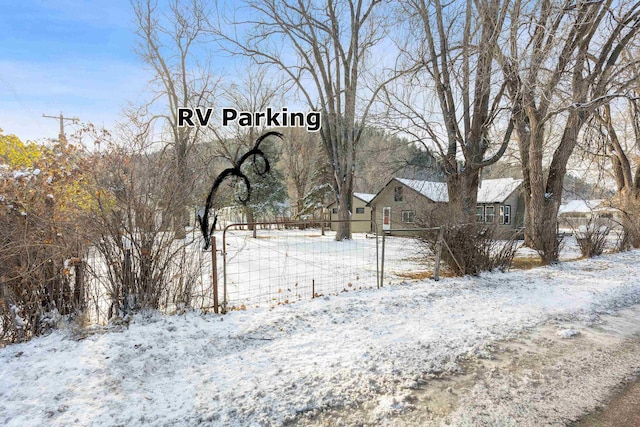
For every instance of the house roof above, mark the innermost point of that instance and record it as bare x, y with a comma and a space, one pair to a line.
497, 190
435, 191
585, 206
490, 190
365, 197
576, 206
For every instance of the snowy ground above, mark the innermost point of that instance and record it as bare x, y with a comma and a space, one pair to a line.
280, 266
296, 363
288, 265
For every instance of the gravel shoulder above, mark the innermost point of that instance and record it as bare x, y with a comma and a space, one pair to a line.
563, 372
622, 410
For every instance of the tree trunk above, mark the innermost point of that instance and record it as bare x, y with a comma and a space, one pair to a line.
344, 209
248, 211
463, 196
543, 229
179, 222
630, 220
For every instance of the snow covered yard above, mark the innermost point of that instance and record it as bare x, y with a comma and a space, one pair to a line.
279, 266
291, 363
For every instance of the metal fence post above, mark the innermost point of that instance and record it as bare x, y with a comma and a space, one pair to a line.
374, 227
382, 261
224, 269
436, 268
214, 273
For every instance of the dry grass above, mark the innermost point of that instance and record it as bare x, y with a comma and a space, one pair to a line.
416, 275
529, 262
422, 275
526, 262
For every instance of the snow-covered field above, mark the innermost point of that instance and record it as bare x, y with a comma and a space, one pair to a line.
281, 266
289, 265
291, 363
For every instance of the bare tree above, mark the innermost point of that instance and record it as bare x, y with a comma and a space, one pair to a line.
167, 42
322, 47
254, 91
300, 158
383, 155
622, 138
452, 49
562, 63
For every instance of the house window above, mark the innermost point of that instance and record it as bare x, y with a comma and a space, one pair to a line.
409, 217
479, 213
505, 214
359, 210
397, 194
334, 210
489, 213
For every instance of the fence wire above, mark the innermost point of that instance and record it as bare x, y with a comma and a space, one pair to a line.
293, 263
284, 263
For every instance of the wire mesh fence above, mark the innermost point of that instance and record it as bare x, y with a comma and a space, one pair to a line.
295, 262
269, 264
262, 264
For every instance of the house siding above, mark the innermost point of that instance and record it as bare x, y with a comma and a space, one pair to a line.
412, 200
356, 227
516, 201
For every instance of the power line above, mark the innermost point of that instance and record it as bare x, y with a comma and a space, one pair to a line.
17, 97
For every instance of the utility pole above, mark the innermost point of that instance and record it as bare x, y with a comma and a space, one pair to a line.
61, 135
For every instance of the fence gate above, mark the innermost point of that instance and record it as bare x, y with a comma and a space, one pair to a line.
271, 263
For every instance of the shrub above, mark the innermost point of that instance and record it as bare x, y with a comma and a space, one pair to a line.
467, 248
141, 263
592, 238
472, 248
41, 205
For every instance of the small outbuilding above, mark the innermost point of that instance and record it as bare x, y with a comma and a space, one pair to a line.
579, 213
360, 211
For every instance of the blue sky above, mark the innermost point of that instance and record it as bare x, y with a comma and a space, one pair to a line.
72, 56
76, 57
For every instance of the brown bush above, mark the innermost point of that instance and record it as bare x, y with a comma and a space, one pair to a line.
591, 238
142, 262
40, 247
467, 248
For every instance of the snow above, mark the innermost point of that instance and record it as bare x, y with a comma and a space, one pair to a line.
435, 191
489, 191
586, 207
579, 206
269, 366
568, 333
365, 197
497, 190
